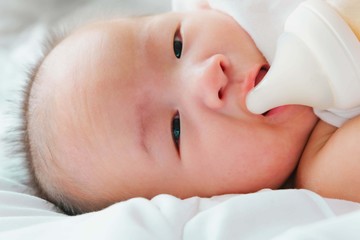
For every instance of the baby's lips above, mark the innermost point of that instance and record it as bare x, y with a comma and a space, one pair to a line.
261, 74
256, 76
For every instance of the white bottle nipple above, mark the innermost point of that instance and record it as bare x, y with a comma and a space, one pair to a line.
317, 63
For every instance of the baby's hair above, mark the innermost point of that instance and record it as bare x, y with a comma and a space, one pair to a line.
39, 179
50, 42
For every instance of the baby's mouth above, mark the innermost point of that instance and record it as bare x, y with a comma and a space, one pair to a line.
260, 76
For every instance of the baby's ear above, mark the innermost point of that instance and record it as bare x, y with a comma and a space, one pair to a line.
188, 5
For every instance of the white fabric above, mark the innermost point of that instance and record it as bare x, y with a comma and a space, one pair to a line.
188, 5
280, 214
337, 117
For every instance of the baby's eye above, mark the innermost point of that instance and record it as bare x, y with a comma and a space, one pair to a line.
177, 44
175, 129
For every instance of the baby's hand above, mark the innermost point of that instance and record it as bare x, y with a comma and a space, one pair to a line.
188, 5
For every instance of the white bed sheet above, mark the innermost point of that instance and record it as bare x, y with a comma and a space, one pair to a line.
280, 214
268, 214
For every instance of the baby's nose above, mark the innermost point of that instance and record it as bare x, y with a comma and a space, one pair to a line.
212, 80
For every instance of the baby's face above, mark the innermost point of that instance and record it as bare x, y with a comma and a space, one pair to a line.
137, 114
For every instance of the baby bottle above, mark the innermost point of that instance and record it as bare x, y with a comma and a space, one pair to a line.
317, 63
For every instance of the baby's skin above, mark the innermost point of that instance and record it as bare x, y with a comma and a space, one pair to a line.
142, 106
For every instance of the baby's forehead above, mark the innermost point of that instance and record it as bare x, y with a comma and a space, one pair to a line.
82, 72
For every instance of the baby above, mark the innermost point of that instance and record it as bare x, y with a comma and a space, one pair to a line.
141, 106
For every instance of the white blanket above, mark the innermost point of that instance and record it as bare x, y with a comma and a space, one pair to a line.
280, 214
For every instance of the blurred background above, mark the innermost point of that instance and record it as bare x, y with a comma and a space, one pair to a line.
23, 25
